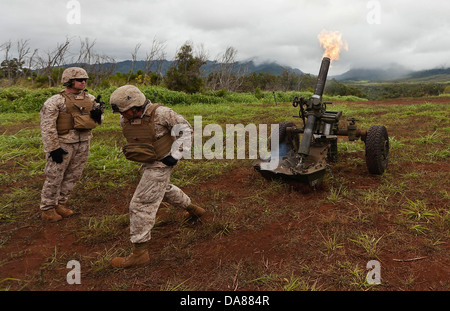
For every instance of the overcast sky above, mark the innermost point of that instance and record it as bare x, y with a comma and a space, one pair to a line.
412, 33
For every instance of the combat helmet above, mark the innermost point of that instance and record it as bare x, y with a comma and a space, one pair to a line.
126, 97
73, 73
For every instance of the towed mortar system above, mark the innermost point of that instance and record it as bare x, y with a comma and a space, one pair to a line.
304, 152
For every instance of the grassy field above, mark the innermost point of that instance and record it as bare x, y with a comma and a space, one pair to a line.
258, 234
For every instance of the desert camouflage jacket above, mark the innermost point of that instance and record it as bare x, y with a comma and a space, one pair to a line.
49, 114
168, 121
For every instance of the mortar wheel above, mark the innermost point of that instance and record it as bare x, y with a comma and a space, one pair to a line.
377, 149
282, 129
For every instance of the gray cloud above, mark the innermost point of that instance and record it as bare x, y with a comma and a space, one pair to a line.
414, 33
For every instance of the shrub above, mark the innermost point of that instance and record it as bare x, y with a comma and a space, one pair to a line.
19, 99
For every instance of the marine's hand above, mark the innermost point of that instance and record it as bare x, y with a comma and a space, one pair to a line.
169, 161
57, 155
102, 103
97, 111
96, 114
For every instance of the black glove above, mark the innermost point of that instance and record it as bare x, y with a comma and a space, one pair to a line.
169, 161
99, 100
57, 155
96, 113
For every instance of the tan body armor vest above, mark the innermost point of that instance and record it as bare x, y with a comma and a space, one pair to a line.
142, 143
77, 115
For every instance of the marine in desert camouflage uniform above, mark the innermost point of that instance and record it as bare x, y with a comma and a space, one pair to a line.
66, 143
145, 123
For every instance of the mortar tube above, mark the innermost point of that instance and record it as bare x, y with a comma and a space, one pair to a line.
311, 118
322, 77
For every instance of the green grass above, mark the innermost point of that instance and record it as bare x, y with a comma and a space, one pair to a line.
95, 230
370, 244
21, 99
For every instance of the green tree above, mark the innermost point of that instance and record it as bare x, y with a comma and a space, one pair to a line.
289, 81
335, 87
184, 74
11, 69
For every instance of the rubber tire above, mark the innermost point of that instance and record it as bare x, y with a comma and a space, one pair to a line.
377, 149
282, 129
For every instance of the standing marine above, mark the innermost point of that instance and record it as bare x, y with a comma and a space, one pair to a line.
67, 119
156, 136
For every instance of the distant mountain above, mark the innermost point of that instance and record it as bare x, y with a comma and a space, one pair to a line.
250, 67
430, 75
374, 75
390, 74
125, 66
429, 72
395, 73
270, 67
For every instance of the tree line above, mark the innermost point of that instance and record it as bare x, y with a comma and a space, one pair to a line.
30, 67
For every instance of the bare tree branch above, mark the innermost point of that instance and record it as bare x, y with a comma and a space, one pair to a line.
133, 57
52, 59
7, 47
156, 50
227, 73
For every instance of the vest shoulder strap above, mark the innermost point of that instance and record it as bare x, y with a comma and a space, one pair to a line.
152, 109
151, 114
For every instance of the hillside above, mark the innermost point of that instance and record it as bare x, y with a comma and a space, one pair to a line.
373, 75
432, 75
395, 74
250, 67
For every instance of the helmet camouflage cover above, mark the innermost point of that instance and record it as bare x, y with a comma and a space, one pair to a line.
73, 73
126, 97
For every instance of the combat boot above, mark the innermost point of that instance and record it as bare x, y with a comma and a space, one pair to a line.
51, 215
63, 211
139, 257
194, 212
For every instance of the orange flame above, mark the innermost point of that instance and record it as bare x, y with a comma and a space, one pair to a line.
332, 42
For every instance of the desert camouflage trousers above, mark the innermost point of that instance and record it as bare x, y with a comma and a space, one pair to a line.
153, 188
61, 178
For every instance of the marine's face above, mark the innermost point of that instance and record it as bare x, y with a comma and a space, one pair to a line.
128, 114
131, 113
79, 84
